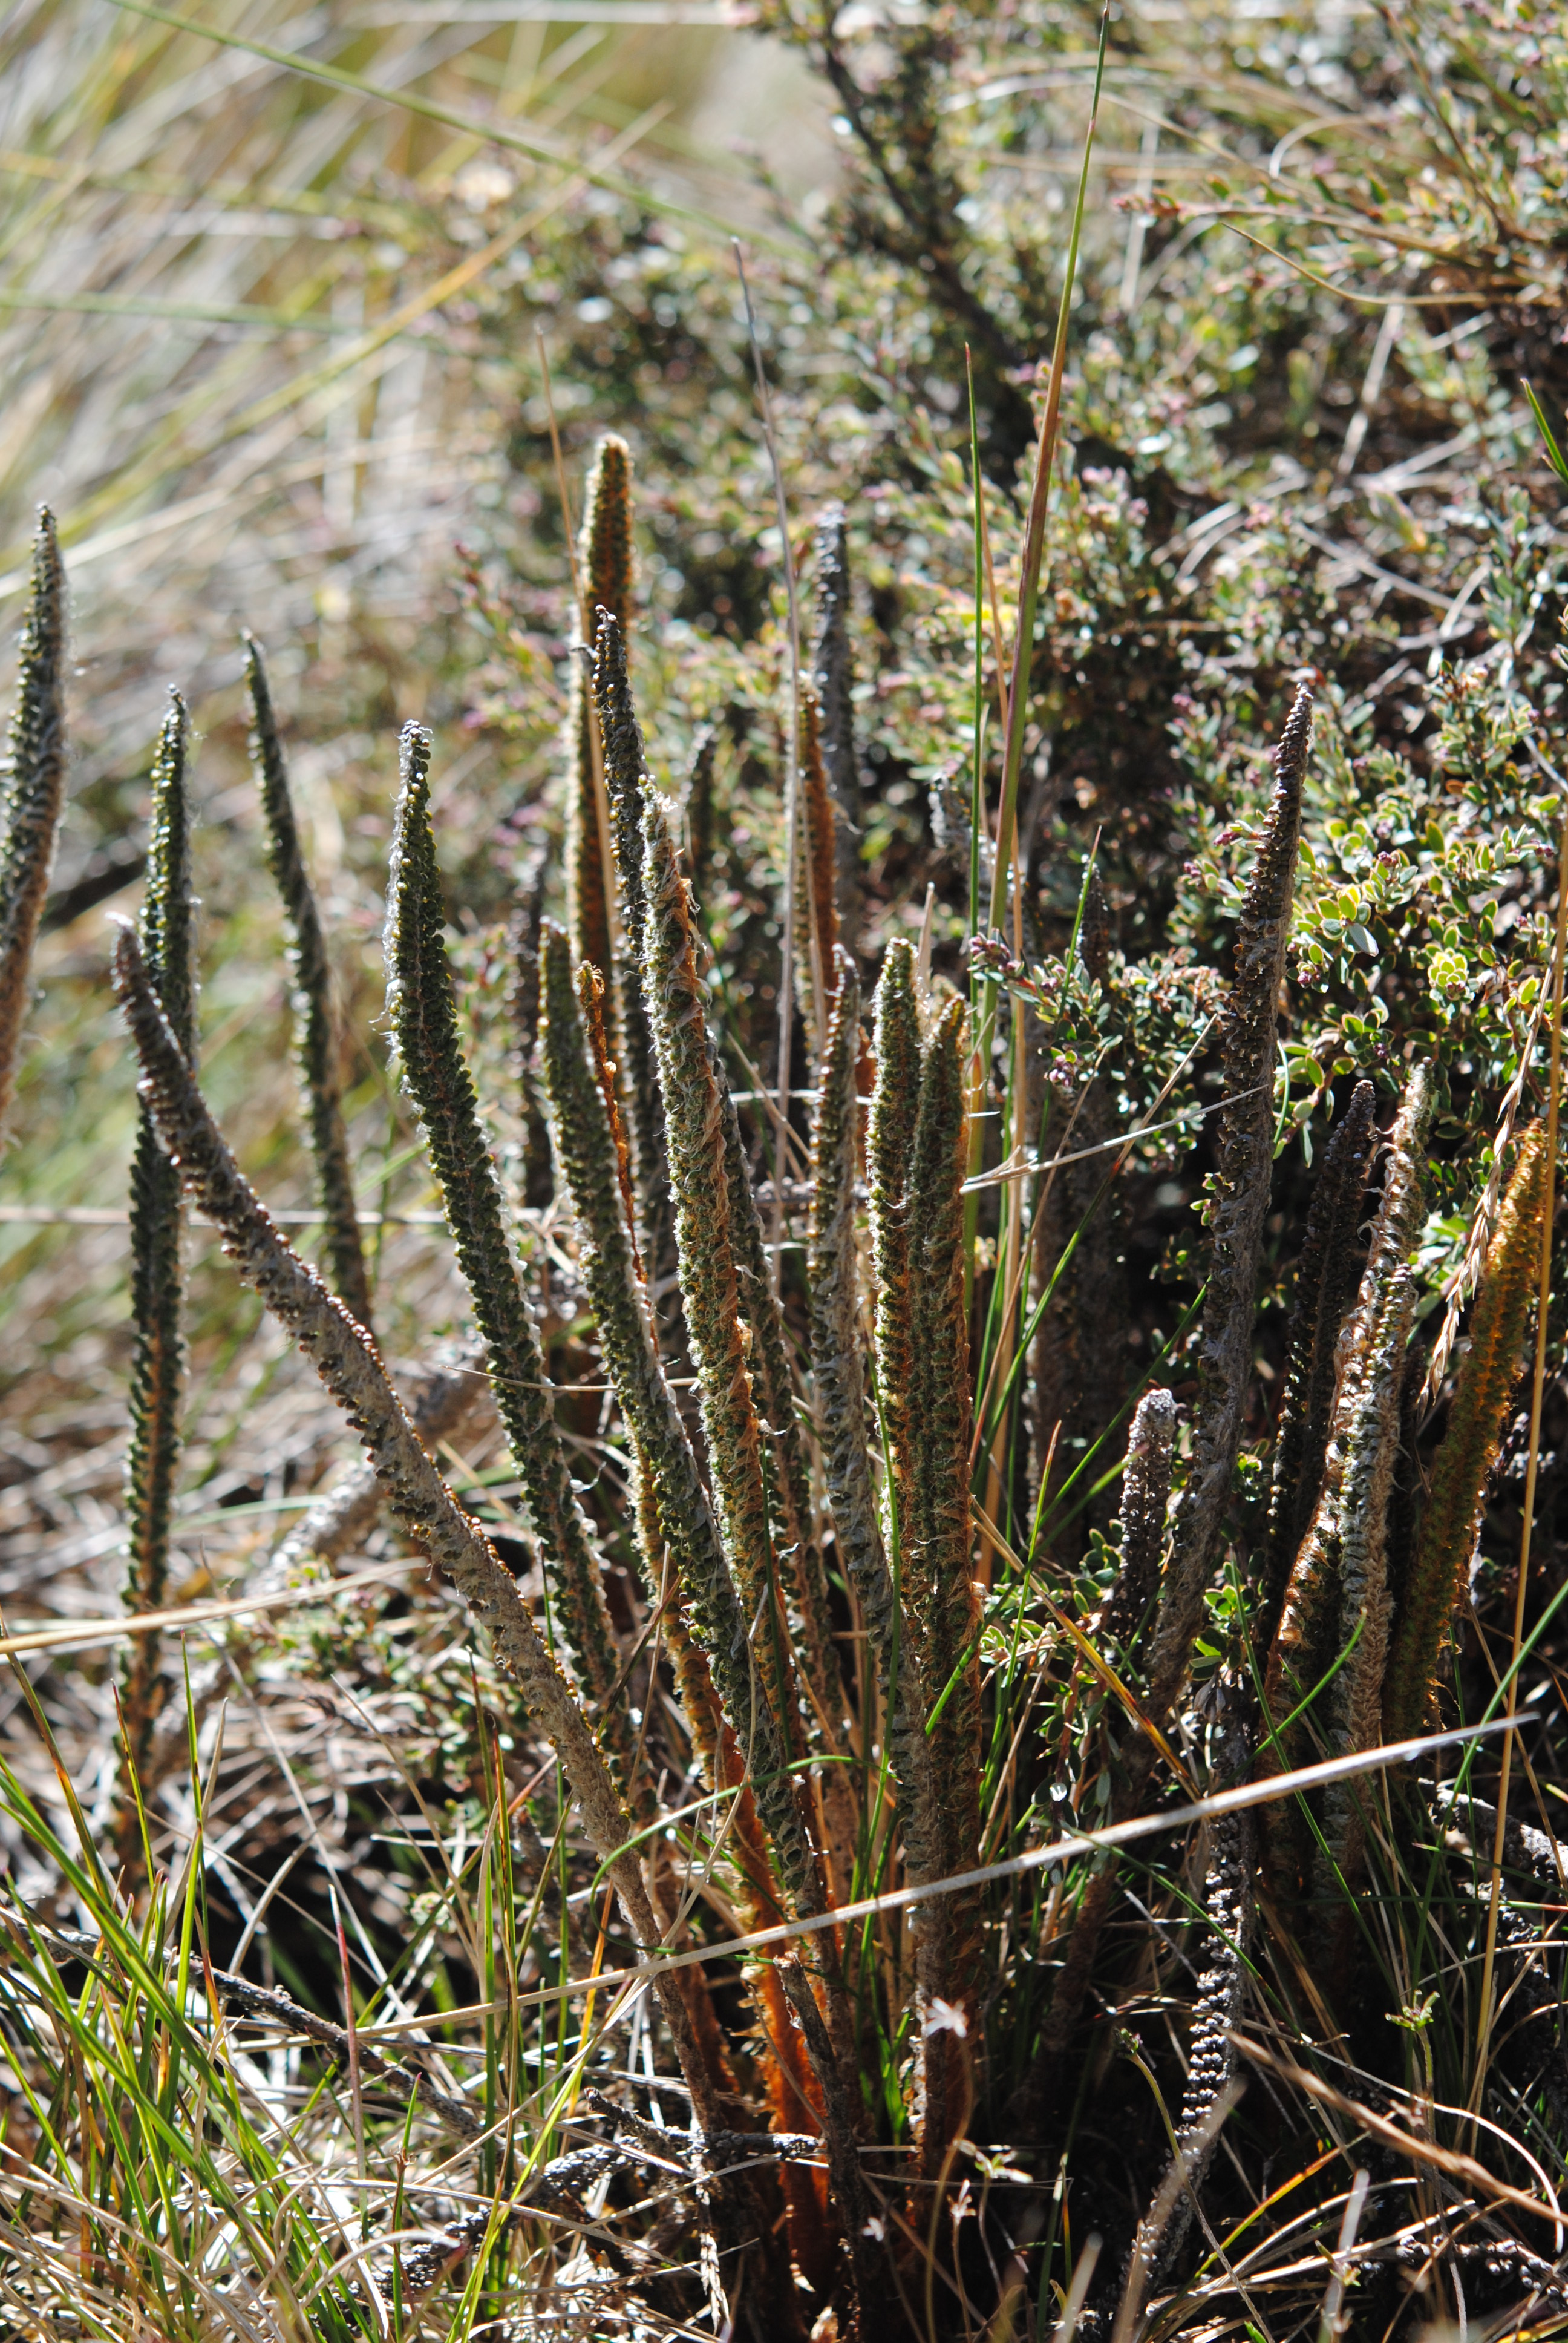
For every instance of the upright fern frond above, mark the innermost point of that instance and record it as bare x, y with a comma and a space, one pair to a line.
1337, 1597
817, 942
157, 1274
1325, 1287
1228, 1909
1244, 1147
523, 930
694, 1122
833, 681
315, 1027
346, 1359
700, 808
707, 1609
1371, 1453
1145, 1496
937, 1569
895, 1103
422, 1014
1484, 1383
607, 534
33, 795
625, 770
838, 1377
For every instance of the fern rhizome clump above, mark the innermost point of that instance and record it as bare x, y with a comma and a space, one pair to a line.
938, 1867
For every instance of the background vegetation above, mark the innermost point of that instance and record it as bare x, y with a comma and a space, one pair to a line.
271, 337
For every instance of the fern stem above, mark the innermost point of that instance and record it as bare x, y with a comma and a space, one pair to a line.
315, 1027
33, 796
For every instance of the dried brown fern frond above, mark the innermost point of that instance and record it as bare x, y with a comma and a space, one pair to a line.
34, 792
817, 916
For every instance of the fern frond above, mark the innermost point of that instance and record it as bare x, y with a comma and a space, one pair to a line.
422, 1014
625, 773
1482, 1388
346, 1359
157, 1273
817, 942
1145, 1497
700, 808
34, 792
839, 1381
606, 549
523, 930
1244, 1146
1229, 1904
315, 1027
1326, 1284
895, 1103
833, 682
937, 1575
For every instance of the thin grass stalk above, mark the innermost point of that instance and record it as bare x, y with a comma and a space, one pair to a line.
316, 1040
346, 1359
422, 1014
157, 1275
33, 796
1532, 1463
1482, 1389
1326, 1283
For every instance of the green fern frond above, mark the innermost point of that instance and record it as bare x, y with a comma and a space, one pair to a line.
606, 546
833, 682
157, 1273
625, 773
523, 930
682, 1520
1484, 1385
699, 807
33, 796
1326, 1284
1244, 1146
817, 940
895, 1103
346, 1359
694, 1124
422, 1014
315, 1027
839, 1378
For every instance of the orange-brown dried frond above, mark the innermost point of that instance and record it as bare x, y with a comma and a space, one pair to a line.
607, 551
820, 841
